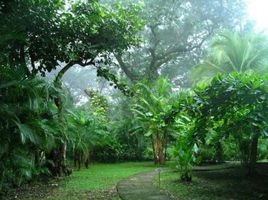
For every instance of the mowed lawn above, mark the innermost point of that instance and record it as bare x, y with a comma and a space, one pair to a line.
96, 182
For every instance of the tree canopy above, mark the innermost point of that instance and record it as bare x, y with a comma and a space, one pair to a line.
43, 34
175, 34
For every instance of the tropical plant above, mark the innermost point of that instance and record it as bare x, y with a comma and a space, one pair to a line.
61, 33
28, 125
186, 148
153, 101
233, 51
185, 153
234, 105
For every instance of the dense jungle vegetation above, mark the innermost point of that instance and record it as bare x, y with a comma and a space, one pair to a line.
105, 81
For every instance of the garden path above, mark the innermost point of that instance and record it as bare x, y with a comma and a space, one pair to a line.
140, 187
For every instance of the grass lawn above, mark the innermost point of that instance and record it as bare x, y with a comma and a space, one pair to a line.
96, 182
225, 184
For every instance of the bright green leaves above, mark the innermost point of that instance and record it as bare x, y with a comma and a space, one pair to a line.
98, 104
185, 153
234, 105
26, 133
230, 108
153, 101
233, 51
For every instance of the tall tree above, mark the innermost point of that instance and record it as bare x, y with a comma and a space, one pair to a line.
175, 34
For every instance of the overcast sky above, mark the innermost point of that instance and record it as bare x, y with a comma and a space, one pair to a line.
258, 11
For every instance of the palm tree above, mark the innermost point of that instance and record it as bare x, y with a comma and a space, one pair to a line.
233, 51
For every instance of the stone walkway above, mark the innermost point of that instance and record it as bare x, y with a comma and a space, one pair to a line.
140, 187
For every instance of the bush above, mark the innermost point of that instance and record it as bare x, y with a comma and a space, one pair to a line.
108, 150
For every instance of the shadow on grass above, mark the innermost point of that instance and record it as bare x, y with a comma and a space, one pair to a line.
220, 185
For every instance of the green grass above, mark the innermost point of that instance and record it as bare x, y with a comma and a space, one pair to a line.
96, 182
216, 185
99, 180
102, 176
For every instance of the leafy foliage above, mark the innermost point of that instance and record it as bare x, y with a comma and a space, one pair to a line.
27, 122
235, 105
233, 51
37, 37
175, 35
150, 109
66, 33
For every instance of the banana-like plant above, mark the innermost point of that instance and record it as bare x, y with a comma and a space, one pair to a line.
153, 101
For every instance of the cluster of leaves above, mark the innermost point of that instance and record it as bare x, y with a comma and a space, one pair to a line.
152, 104
30, 128
42, 35
98, 104
233, 51
229, 109
28, 125
90, 137
124, 127
233, 105
186, 148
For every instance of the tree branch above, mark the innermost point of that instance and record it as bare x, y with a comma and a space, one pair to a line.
125, 68
152, 68
62, 72
169, 54
69, 65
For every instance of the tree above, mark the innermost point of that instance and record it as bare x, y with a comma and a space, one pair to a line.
235, 105
233, 51
39, 36
44, 34
152, 104
175, 34
83, 134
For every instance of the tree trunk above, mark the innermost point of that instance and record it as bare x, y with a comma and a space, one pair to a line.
154, 154
58, 156
158, 150
253, 156
75, 158
87, 161
80, 159
219, 152
57, 167
37, 158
